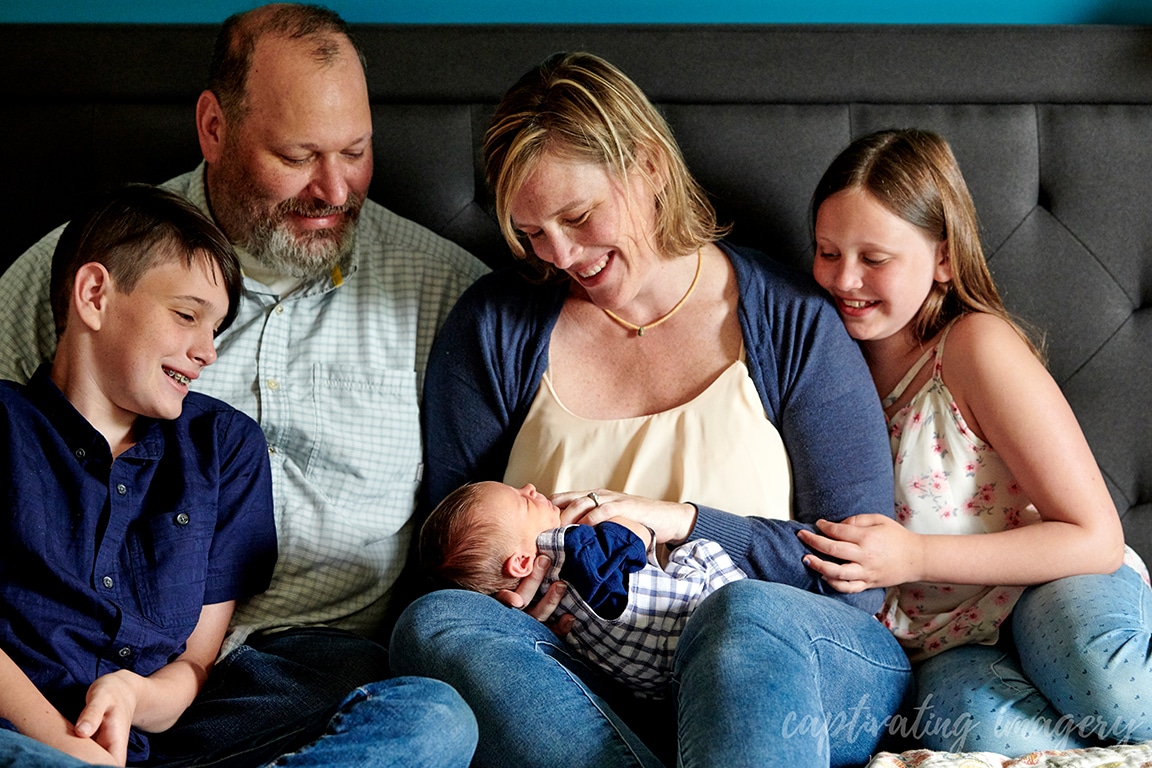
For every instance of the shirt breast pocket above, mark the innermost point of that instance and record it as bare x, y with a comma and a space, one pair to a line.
368, 450
170, 565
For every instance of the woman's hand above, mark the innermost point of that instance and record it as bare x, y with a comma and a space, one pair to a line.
877, 550
521, 598
672, 521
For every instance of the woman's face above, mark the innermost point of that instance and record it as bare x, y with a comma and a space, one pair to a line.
584, 221
878, 267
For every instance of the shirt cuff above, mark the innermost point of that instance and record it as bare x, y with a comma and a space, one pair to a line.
732, 532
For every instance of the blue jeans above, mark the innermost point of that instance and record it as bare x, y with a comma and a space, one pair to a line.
1074, 670
410, 722
407, 722
302, 697
764, 675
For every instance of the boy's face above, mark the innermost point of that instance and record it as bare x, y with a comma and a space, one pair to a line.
526, 511
155, 340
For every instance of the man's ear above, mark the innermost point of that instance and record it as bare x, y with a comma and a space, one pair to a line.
90, 293
519, 565
210, 126
943, 273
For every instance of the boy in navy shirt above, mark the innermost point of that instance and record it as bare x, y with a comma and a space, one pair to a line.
134, 512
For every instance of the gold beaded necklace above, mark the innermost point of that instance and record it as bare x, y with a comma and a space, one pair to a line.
649, 326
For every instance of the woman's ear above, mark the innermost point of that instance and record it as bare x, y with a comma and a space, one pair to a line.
519, 565
654, 167
943, 273
90, 294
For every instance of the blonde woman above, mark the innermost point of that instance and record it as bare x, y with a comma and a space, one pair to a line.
715, 389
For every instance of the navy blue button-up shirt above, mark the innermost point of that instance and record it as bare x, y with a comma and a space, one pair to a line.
105, 565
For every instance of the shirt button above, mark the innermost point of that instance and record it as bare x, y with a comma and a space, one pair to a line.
279, 309
183, 519
271, 451
121, 489
125, 652
80, 453
273, 384
107, 582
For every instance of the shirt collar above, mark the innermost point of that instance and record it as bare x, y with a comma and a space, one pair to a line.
84, 440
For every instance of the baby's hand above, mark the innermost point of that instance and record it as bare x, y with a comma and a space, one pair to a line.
877, 552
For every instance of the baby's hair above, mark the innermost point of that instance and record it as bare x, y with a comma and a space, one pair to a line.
914, 174
460, 548
132, 229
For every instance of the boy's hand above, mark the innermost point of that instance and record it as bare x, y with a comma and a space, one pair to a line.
107, 717
87, 750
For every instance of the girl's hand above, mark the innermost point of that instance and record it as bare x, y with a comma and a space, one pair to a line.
877, 550
672, 521
107, 717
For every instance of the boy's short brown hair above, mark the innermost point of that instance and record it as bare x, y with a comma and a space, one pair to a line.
131, 229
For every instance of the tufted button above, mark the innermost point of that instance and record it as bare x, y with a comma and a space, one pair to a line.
183, 519
125, 652
107, 582
121, 489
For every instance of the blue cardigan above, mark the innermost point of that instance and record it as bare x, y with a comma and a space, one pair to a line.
490, 356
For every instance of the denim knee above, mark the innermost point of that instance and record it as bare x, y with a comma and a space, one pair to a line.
440, 726
406, 722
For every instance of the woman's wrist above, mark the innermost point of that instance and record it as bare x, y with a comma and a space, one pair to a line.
686, 523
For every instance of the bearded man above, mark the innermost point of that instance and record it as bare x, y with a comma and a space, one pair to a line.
341, 301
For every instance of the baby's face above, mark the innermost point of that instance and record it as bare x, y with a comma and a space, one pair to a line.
525, 510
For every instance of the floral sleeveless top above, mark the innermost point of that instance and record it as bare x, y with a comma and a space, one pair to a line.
947, 481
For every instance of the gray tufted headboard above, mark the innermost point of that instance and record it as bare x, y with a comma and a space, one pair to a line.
1052, 125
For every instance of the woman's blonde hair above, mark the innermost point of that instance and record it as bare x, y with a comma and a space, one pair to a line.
914, 174
580, 107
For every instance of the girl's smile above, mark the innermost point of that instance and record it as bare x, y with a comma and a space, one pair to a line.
877, 267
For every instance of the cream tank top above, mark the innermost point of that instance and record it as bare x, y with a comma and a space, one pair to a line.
718, 449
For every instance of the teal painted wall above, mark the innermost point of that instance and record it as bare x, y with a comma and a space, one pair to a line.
610, 11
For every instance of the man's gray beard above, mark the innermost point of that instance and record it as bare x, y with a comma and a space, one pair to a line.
276, 248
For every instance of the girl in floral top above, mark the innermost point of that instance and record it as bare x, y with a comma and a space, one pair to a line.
1035, 634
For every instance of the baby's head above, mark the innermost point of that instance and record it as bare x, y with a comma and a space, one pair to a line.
482, 536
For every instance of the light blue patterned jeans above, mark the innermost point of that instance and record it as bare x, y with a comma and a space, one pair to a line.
1079, 674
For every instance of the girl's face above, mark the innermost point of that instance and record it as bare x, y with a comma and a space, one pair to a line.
878, 267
